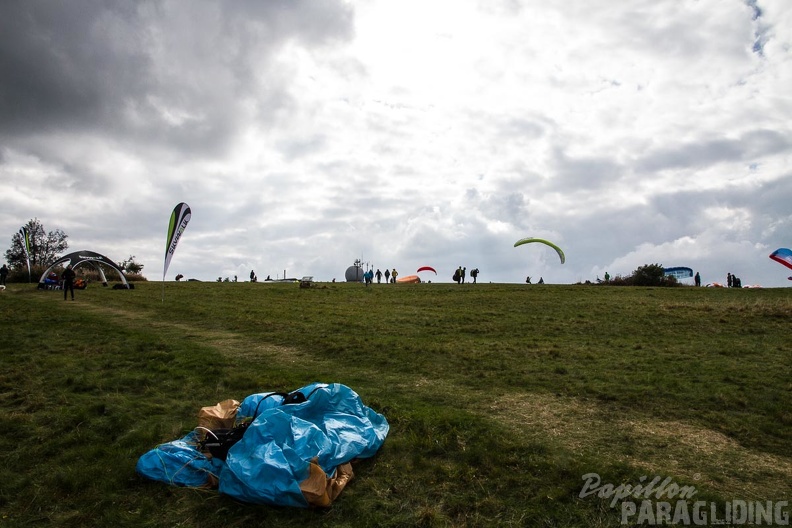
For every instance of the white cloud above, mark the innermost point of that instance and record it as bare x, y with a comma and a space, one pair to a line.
307, 135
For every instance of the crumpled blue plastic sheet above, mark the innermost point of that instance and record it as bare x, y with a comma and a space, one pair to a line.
178, 463
273, 457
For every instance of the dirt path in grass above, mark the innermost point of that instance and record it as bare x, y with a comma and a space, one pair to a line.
689, 452
228, 343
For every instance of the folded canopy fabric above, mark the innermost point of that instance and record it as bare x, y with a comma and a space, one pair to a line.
282, 450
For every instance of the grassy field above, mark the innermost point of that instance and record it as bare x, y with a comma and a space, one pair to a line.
500, 397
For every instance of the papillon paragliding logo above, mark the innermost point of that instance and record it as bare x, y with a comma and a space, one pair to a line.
179, 219
23, 232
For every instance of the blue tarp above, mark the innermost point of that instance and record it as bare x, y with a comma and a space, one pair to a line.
267, 465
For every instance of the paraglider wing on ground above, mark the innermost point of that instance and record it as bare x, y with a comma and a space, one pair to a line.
290, 451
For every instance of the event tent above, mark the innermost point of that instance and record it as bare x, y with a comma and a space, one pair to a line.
81, 257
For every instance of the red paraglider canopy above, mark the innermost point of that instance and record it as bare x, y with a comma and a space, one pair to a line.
427, 268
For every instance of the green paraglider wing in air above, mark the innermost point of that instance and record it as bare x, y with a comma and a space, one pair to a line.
530, 240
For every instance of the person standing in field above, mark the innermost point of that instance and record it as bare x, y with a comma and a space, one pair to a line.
474, 273
462, 275
697, 279
3, 274
379, 276
394, 274
68, 281
387, 275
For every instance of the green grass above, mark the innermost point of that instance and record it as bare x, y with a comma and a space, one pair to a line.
500, 397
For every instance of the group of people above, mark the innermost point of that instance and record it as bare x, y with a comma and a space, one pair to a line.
732, 281
459, 275
390, 276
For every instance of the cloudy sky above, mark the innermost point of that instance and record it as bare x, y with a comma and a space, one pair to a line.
305, 135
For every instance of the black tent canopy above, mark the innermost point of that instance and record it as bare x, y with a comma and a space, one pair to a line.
81, 257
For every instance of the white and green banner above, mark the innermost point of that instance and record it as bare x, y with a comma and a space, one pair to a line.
178, 222
23, 232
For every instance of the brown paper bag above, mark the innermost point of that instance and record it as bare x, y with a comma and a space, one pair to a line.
321, 491
220, 416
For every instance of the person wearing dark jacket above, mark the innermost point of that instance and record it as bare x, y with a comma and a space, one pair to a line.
68, 281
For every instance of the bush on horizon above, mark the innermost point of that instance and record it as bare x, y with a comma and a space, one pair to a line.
646, 275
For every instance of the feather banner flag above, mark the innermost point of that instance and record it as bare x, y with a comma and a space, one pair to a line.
178, 223
23, 232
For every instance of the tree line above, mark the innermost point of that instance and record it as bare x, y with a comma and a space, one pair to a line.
45, 248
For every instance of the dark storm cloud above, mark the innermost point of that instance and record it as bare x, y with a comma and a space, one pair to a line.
179, 73
58, 65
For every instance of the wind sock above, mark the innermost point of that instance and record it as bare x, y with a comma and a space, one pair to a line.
23, 232
178, 223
